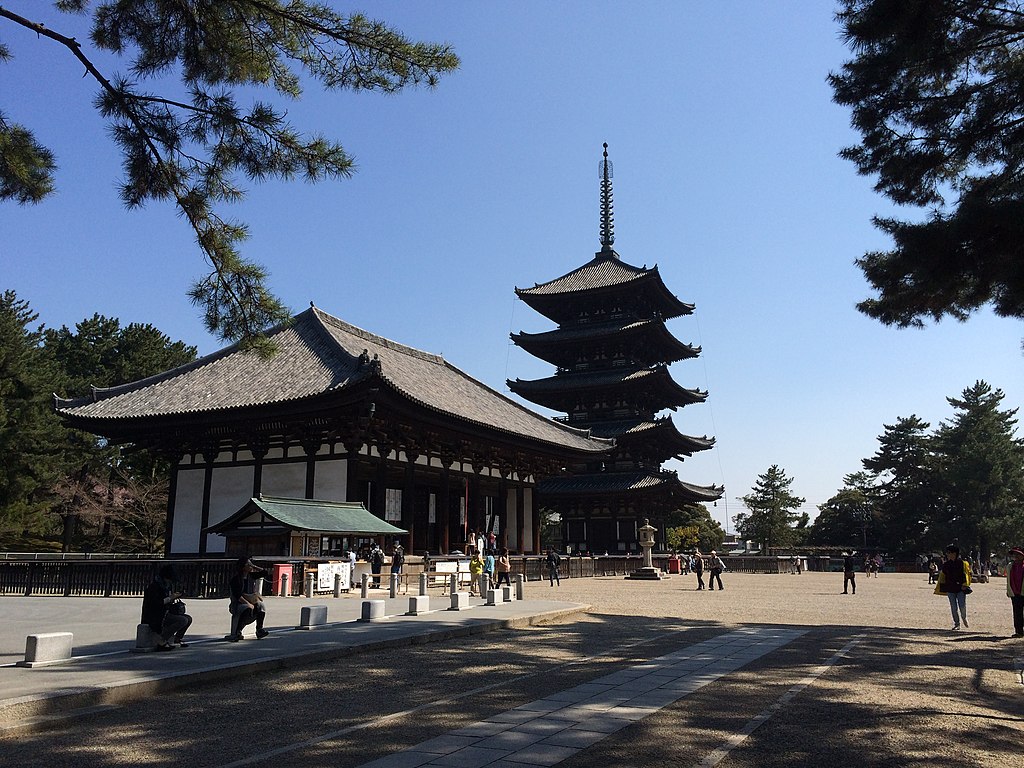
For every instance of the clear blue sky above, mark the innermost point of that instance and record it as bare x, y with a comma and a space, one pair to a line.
724, 142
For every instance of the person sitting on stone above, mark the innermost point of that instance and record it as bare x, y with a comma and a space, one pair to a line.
246, 603
157, 612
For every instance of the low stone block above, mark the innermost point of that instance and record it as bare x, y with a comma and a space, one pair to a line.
460, 601
47, 648
373, 610
146, 639
506, 594
312, 616
493, 596
418, 604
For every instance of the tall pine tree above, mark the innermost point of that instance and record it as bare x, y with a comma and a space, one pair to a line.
30, 434
981, 471
771, 514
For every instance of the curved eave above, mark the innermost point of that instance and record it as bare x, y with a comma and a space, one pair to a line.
630, 484
558, 389
549, 299
664, 433
559, 345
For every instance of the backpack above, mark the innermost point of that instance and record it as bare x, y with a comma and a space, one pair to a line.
377, 557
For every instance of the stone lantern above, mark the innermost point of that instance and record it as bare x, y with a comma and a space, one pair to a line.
647, 571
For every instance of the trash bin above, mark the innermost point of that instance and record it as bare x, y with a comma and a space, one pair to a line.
282, 569
673, 564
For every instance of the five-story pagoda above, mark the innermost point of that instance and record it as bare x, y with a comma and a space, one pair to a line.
612, 351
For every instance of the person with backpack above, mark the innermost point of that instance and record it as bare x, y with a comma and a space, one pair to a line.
553, 561
504, 568
376, 564
397, 558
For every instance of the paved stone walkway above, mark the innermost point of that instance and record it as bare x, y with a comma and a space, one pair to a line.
553, 729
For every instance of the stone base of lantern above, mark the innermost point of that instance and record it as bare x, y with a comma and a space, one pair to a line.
647, 574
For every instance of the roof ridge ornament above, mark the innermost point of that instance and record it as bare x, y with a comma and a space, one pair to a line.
606, 172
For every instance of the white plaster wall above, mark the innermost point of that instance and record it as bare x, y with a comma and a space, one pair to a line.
188, 512
286, 480
230, 490
331, 480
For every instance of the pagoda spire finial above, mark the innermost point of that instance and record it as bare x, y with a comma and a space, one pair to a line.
607, 220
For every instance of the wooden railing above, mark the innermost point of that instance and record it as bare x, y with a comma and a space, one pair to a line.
116, 577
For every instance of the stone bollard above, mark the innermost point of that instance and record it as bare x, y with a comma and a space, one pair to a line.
312, 616
506, 594
520, 579
453, 583
373, 610
146, 639
485, 584
310, 578
493, 597
365, 587
47, 648
284, 585
460, 601
418, 604
393, 586
258, 585
337, 585
423, 584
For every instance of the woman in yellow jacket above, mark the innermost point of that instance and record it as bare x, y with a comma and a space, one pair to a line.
955, 583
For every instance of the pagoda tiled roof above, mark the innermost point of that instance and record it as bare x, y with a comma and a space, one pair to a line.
640, 483
663, 430
317, 354
535, 343
605, 271
552, 388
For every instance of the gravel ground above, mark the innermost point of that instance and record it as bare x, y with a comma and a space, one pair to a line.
878, 679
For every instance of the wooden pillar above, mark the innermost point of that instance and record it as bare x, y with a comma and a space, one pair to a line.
380, 485
172, 493
520, 518
408, 500
445, 509
209, 456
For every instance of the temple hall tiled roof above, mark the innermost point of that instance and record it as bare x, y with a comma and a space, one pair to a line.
318, 354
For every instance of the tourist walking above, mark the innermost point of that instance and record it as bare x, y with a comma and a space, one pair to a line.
476, 568
504, 568
1015, 589
717, 566
376, 564
933, 572
489, 566
397, 558
849, 573
553, 561
159, 610
955, 583
698, 569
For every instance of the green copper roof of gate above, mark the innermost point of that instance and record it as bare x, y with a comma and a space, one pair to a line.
308, 515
